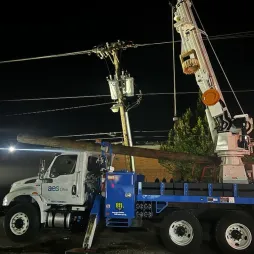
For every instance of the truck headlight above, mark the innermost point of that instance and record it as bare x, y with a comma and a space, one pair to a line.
5, 201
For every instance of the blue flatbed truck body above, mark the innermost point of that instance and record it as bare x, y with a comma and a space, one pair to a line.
128, 197
123, 190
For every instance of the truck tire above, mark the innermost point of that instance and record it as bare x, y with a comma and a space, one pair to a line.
181, 232
22, 223
235, 233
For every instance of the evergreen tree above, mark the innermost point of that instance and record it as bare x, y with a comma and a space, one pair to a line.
190, 134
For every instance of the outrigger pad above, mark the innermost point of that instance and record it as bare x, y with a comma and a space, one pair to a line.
80, 250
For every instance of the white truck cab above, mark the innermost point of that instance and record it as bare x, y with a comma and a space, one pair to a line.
59, 197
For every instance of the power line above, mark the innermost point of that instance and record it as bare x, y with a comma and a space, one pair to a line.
182, 93
215, 37
59, 109
58, 98
108, 95
82, 52
237, 35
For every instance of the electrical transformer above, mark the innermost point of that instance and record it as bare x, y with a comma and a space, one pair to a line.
114, 88
128, 89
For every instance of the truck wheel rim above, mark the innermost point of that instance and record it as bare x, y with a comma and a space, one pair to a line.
181, 232
19, 224
238, 236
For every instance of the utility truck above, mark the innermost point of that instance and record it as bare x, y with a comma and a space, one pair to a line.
59, 197
80, 189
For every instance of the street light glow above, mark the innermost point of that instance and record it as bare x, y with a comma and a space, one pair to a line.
12, 149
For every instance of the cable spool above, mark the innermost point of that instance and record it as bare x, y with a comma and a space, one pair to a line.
191, 65
210, 97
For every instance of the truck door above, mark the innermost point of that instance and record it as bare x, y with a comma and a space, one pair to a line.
62, 182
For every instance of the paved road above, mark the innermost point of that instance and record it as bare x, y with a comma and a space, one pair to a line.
108, 241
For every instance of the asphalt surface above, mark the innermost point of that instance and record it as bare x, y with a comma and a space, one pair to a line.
106, 241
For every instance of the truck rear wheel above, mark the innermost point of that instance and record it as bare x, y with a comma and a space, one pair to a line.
235, 233
181, 232
21, 223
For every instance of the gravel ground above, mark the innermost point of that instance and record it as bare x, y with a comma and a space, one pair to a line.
107, 241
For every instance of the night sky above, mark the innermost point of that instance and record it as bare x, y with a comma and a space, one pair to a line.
74, 28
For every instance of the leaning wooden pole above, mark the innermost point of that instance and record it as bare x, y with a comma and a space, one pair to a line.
117, 149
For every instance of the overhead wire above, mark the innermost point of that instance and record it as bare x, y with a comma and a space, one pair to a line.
238, 35
57, 98
247, 34
174, 64
108, 95
217, 58
59, 109
82, 52
97, 96
225, 36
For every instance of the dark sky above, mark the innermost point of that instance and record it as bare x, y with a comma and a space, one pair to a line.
73, 28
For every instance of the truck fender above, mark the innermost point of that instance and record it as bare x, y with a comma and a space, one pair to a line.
38, 199
43, 207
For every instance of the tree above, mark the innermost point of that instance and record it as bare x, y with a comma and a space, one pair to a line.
190, 134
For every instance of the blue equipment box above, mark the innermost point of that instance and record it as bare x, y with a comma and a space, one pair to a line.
120, 195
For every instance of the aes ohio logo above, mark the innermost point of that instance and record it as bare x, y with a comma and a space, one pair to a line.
53, 188
56, 188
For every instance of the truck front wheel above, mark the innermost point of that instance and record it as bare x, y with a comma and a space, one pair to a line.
181, 232
235, 233
22, 223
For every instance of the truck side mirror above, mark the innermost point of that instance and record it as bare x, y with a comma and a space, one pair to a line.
41, 169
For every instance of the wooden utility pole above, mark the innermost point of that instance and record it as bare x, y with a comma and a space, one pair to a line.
117, 149
121, 105
111, 50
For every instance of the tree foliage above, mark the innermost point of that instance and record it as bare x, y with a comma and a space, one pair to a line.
190, 134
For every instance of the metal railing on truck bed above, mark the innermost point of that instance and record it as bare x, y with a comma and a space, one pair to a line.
196, 192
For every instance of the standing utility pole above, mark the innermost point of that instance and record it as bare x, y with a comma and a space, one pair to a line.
121, 85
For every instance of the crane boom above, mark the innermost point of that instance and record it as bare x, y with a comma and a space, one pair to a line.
231, 142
